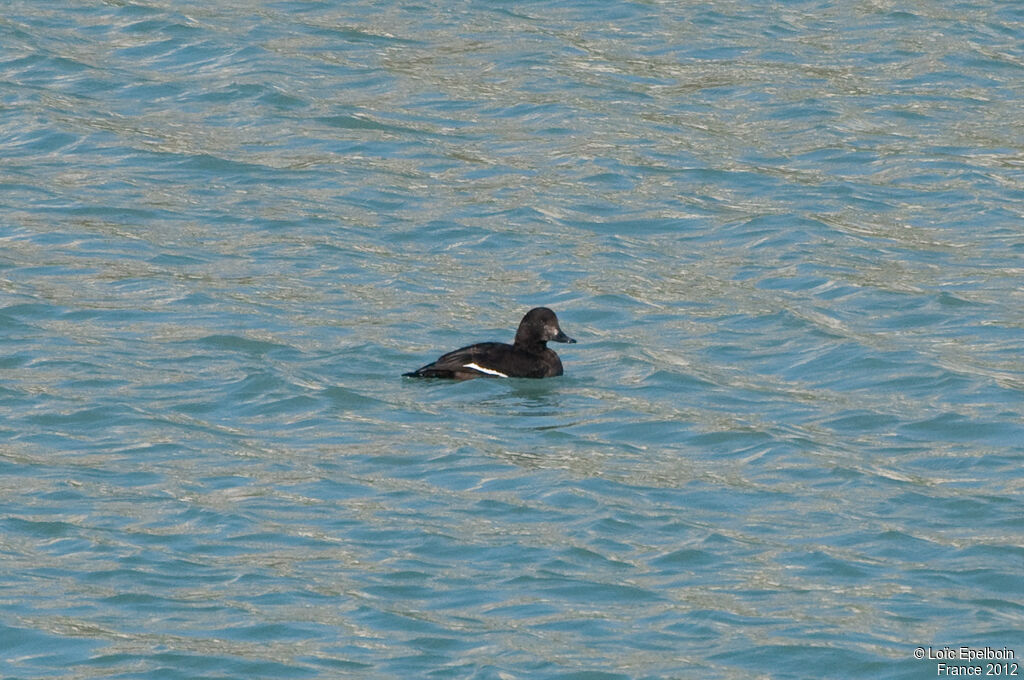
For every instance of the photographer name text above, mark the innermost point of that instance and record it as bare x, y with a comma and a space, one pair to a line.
964, 653
996, 661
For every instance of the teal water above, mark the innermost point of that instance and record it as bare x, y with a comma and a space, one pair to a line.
788, 236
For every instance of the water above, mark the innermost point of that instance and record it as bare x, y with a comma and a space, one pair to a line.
788, 237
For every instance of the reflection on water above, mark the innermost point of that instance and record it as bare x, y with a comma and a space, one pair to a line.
787, 239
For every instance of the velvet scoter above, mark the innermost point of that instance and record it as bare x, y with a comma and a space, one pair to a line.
527, 357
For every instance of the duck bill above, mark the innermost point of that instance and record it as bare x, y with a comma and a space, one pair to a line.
562, 337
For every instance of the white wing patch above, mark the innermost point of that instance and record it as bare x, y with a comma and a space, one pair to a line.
488, 371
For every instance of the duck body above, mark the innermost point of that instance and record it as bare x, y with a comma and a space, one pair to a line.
527, 357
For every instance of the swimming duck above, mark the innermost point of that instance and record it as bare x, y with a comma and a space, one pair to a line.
527, 357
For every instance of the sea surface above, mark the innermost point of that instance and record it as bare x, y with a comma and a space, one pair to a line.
788, 236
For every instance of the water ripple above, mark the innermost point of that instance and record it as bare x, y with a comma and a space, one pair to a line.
786, 237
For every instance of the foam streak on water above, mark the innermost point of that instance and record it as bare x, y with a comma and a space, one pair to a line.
787, 236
